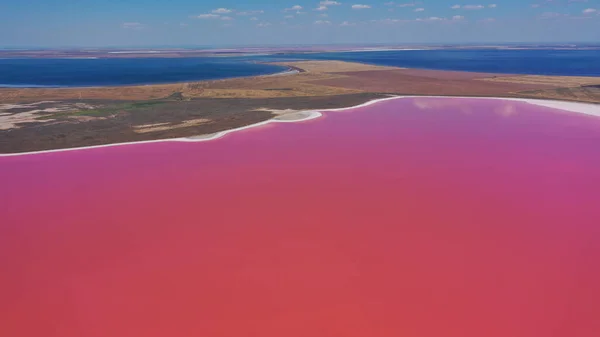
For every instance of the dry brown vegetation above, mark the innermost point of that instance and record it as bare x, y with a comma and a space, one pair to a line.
49, 118
557, 81
400, 82
328, 78
590, 94
127, 122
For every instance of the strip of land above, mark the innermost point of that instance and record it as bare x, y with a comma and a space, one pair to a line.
35, 119
105, 53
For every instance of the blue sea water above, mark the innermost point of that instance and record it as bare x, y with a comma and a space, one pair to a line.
535, 62
105, 72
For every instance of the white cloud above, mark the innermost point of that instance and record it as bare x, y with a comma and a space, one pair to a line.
248, 13
391, 3
432, 18
387, 21
419, 9
406, 5
323, 15
474, 7
550, 15
321, 8
361, 6
329, 3
347, 24
589, 11
253, 19
458, 17
133, 25
221, 11
263, 24
208, 16
322, 22
294, 8
226, 18
300, 13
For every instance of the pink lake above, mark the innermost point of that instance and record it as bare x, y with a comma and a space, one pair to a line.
419, 217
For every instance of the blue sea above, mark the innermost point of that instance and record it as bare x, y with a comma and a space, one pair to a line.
534, 62
108, 72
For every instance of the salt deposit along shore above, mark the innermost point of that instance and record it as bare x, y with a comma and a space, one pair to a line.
299, 116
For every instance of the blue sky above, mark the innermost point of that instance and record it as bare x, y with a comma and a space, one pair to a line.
55, 23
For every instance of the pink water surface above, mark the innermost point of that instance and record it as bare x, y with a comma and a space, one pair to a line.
417, 217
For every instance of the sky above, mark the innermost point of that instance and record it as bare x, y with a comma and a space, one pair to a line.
132, 23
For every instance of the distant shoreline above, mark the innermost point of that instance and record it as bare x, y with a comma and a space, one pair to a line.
182, 52
446, 58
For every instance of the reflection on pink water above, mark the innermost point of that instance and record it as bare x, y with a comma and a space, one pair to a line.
416, 217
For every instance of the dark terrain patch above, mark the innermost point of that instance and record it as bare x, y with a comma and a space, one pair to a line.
117, 121
587, 93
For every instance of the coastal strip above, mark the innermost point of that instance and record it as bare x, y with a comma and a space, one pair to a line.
330, 78
582, 108
302, 116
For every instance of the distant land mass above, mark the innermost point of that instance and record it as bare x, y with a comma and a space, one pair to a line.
166, 52
136, 67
